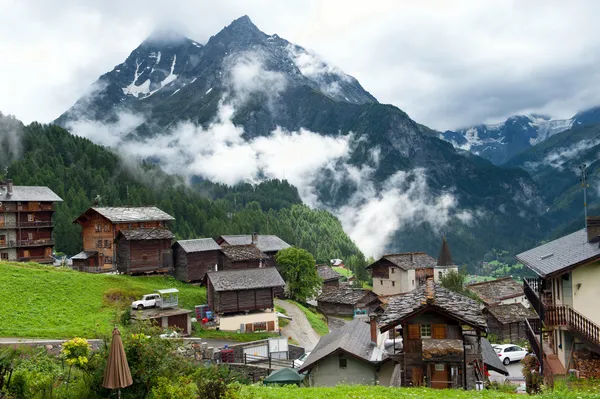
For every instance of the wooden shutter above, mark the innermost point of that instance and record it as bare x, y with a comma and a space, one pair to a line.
414, 331
438, 331
249, 327
270, 326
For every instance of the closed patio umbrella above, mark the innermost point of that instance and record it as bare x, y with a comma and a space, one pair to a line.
117, 374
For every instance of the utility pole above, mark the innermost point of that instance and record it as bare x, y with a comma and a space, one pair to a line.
583, 179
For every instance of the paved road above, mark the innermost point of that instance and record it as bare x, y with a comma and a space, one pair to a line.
514, 373
299, 327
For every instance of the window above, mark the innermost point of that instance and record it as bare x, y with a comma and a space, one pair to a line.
30, 236
557, 289
98, 227
106, 228
343, 363
440, 274
381, 282
393, 283
3, 238
108, 260
99, 244
141, 225
4, 256
393, 270
413, 283
30, 217
106, 243
425, 330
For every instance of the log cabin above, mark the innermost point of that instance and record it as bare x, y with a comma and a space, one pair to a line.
100, 226
232, 291
345, 300
268, 244
144, 251
441, 337
507, 321
26, 226
235, 257
331, 278
192, 259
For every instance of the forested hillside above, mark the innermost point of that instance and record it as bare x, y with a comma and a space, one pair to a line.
78, 171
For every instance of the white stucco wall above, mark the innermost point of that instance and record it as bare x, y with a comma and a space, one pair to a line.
327, 372
400, 281
443, 270
232, 323
519, 299
585, 283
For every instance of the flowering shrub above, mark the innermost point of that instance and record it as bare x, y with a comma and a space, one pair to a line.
76, 352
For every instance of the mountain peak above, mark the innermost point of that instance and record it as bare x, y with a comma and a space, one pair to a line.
165, 34
244, 22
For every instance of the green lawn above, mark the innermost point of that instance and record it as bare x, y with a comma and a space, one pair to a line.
317, 321
47, 302
378, 392
343, 271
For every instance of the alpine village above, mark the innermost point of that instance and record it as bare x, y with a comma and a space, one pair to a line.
139, 268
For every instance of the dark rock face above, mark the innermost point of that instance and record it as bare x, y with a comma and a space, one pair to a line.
170, 79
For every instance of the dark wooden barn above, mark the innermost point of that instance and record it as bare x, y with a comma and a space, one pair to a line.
231, 291
144, 251
192, 259
507, 321
331, 278
344, 301
237, 257
268, 244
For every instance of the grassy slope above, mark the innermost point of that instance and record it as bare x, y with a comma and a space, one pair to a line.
343, 271
378, 392
317, 321
46, 302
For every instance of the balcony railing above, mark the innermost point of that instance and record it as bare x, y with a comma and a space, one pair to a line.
95, 269
37, 223
532, 330
37, 259
36, 243
566, 316
8, 244
531, 287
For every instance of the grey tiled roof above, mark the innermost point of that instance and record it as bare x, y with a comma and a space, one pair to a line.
343, 295
436, 297
560, 254
245, 279
146, 234
84, 255
327, 273
410, 260
511, 313
354, 338
133, 214
243, 252
199, 245
266, 243
491, 359
496, 290
29, 193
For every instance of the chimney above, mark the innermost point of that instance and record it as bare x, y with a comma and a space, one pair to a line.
9, 187
373, 324
592, 224
254, 238
412, 257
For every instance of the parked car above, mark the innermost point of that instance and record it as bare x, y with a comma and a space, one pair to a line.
510, 353
147, 301
300, 361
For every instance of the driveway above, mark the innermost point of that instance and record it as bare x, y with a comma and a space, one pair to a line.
299, 327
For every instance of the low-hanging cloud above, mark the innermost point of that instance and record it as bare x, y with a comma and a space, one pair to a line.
10, 140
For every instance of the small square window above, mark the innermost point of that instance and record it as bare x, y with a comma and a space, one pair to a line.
393, 283
440, 274
4, 256
30, 217
343, 363
413, 282
99, 244
106, 243
380, 282
393, 270
425, 330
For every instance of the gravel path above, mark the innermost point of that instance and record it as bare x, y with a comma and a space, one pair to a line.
299, 327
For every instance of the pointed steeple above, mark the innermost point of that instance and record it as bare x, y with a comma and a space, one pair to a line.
445, 258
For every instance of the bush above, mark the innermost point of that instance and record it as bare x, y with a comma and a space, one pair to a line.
218, 382
183, 388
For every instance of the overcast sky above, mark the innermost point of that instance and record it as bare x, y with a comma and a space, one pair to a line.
446, 65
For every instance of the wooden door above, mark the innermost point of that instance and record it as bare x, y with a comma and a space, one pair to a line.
249, 327
270, 326
1, 220
417, 376
439, 376
48, 252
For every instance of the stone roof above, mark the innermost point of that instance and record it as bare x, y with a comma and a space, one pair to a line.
238, 253
344, 295
29, 193
561, 254
266, 243
511, 313
490, 357
497, 290
83, 255
409, 260
327, 273
133, 214
354, 339
245, 279
435, 297
445, 258
146, 234
199, 245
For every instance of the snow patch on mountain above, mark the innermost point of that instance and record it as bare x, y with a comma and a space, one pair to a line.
143, 90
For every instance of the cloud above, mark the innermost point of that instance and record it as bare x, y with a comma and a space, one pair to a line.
10, 140
558, 157
446, 65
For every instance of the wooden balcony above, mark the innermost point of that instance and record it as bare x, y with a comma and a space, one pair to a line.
532, 289
8, 244
36, 243
96, 269
35, 224
37, 259
532, 330
566, 316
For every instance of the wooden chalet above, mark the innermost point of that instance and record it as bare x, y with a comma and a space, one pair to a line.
144, 251
268, 244
331, 278
344, 301
194, 258
26, 226
100, 227
232, 291
441, 336
235, 257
